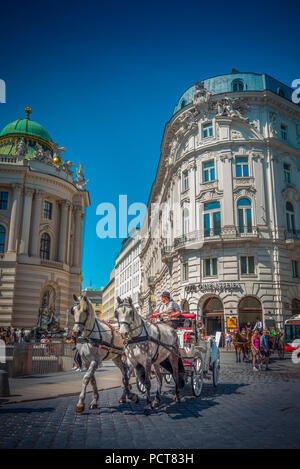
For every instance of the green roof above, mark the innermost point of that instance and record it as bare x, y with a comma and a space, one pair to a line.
25, 127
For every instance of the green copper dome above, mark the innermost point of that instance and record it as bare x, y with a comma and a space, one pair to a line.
26, 127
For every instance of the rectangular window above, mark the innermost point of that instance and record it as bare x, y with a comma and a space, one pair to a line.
209, 171
207, 130
47, 210
185, 271
211, 267
242, 168
185, 181
247, 265
283, 131
3, 200
295, 269
287, 172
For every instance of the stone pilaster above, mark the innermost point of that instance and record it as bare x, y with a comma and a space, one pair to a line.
27, 208
63, 231
36, 219
13, 218
77, 236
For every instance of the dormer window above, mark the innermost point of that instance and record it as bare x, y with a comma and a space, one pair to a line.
281, 92
237, 85
183, 103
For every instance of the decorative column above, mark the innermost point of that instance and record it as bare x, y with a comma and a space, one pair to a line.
13, 218
63, 230
28, 192
37, 210
69, 239
77, 236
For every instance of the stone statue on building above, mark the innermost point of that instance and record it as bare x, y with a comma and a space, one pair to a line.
40, 154
202, 95
48, 319
81, 182
58, 151
21, 148
67, 165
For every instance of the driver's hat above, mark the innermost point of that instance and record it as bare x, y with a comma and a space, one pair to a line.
166, 294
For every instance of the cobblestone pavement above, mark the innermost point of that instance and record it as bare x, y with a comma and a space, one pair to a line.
248, 410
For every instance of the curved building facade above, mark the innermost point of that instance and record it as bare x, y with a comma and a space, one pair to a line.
224, 209
41, 219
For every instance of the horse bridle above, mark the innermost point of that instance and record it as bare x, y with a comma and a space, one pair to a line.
128, 324
79, 323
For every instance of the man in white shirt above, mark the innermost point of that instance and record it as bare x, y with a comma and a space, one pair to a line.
258, 325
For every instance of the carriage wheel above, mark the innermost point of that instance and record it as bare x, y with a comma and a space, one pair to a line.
141, 386
168, 378
216, 370
197, 377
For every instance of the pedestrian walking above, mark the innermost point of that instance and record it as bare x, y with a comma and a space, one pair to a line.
228, 341
264, 348
255, 350
14, 337
8, 336
22, 336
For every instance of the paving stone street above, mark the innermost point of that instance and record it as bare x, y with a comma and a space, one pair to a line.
248, 410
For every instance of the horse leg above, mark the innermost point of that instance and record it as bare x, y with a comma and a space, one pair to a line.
94, 403
126, 372
236, 354
148, 387
86, 379
158, 375
174, 363
239, 355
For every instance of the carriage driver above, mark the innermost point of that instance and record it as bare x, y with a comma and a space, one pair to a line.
168, 311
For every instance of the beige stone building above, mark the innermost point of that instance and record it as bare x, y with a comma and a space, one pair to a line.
41, 215
108, 299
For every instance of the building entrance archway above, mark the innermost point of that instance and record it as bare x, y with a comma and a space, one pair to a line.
213, 316
249, 310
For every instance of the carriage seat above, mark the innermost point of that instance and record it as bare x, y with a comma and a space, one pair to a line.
188, 315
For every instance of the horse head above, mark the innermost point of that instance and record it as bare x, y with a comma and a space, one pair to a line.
83, 315
125, 315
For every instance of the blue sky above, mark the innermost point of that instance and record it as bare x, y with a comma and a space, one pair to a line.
103, 78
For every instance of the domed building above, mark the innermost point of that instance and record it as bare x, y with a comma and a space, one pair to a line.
223, 228
41, 219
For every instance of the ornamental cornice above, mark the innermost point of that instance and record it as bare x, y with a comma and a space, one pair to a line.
29, 191
211, 194
257, 156
243, 182
243, 192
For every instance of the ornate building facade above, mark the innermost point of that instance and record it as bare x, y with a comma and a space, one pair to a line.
228, 176
41, 220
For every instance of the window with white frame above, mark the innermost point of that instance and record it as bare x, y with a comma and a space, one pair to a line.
244, 215
287, 172
207, 130
247, 265
209, 171
2, 239
283, 131
210, 267
212, 219
241, 166
3, 200
295, 267
186, 221
185, 271
185, 181
290, 217
47, 210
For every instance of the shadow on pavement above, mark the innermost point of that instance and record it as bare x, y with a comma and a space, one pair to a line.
25, 410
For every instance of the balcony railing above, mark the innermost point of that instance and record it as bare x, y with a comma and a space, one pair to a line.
217, 233
55, 264
292, 234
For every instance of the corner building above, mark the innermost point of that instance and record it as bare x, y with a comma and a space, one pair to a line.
229, 166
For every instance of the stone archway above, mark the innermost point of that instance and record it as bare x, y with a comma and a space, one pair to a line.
213, 315
249, 310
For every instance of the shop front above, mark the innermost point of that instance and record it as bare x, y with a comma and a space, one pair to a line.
213, 316
249, 310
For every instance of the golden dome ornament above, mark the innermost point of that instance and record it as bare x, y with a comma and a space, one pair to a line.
56, 160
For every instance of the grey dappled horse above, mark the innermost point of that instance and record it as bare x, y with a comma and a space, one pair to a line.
148, 344
91, 332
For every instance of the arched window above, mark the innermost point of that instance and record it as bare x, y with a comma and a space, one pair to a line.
2, 239
185, 307
45, 246
237, 85
183, 103
244, 215
290, 217
212, 219
186, 221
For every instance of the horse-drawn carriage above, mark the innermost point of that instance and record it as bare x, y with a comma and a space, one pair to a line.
199, 356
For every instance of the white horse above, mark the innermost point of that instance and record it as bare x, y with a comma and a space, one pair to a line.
148, 344
90, 333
